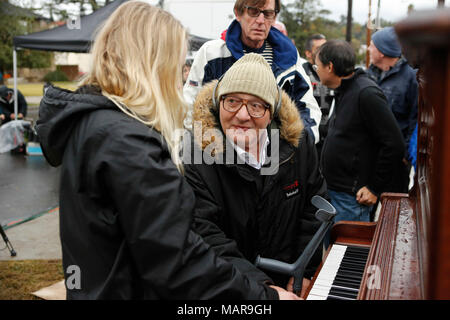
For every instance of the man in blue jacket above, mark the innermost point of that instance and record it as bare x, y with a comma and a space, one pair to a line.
252, 31
398, 81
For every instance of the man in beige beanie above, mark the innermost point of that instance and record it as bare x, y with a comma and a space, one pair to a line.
248, 81
241, 211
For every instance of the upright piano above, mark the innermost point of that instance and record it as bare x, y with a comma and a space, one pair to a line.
406, 253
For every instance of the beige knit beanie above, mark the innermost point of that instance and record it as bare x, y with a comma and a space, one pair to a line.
251, 74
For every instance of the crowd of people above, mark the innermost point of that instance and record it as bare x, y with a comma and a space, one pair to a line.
149, 213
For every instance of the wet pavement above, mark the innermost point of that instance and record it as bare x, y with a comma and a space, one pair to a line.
28, 186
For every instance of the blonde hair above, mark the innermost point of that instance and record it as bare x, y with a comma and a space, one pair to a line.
137, 58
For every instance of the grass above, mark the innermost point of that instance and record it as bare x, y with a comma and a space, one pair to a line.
19, 278
36, 89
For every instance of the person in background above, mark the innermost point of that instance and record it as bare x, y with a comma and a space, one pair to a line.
398, 81
252, 31
7, 105
186, 70
125, 207
252, 203
364, 141
324, 95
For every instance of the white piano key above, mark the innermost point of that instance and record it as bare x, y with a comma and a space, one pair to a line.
314, 297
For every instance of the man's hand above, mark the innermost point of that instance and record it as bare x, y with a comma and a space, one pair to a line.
285, 295
305, 285
365, 197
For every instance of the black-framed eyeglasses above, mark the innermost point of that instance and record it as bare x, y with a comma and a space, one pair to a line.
255, 12
254, 108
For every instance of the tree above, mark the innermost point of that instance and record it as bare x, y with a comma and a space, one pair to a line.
17, 21
299, 18
306, 17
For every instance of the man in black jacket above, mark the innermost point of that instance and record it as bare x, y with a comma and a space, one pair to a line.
7, 105
364, 142
258, 200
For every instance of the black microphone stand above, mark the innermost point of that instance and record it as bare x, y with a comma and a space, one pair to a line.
8, 243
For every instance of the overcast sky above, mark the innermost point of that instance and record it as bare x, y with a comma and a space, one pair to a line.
208, 18
391, 10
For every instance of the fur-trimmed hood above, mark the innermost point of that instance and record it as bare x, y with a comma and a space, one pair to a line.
288, 121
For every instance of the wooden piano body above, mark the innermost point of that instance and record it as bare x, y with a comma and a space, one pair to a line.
409, 254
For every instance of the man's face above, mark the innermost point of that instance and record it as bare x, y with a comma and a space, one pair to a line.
375, 55
324, 72
255, 29
239, 126
311, 55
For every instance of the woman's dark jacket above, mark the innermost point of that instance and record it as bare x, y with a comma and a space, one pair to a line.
125, 210
364, 144
243, 214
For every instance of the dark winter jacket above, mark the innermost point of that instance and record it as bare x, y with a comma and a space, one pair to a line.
400, 87
243, 214
364, 143
7, 106
125, 210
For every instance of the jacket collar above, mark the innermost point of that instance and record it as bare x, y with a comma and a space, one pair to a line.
345, 83
284, 51
393, 70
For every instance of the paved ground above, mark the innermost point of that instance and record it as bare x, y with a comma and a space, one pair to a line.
28, 185
34, 239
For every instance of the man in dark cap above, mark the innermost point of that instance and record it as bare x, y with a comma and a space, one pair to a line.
7, 105
398, 81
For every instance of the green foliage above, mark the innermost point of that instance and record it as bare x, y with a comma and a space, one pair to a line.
14, 25
304, 18
56, 75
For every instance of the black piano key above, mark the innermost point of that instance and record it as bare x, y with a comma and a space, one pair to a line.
346, 284
356, 276
353, 265
356, 264
358, 249
332, 297
355, 259
351, 269
345, 287
357, 254
343, 293
349, 280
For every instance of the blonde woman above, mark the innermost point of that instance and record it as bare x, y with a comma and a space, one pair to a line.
125, 208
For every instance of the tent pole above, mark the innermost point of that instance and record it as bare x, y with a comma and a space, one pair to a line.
15, 83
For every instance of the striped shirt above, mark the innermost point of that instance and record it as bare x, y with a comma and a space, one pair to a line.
266, 51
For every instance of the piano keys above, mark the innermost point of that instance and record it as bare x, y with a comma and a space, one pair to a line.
341, 275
